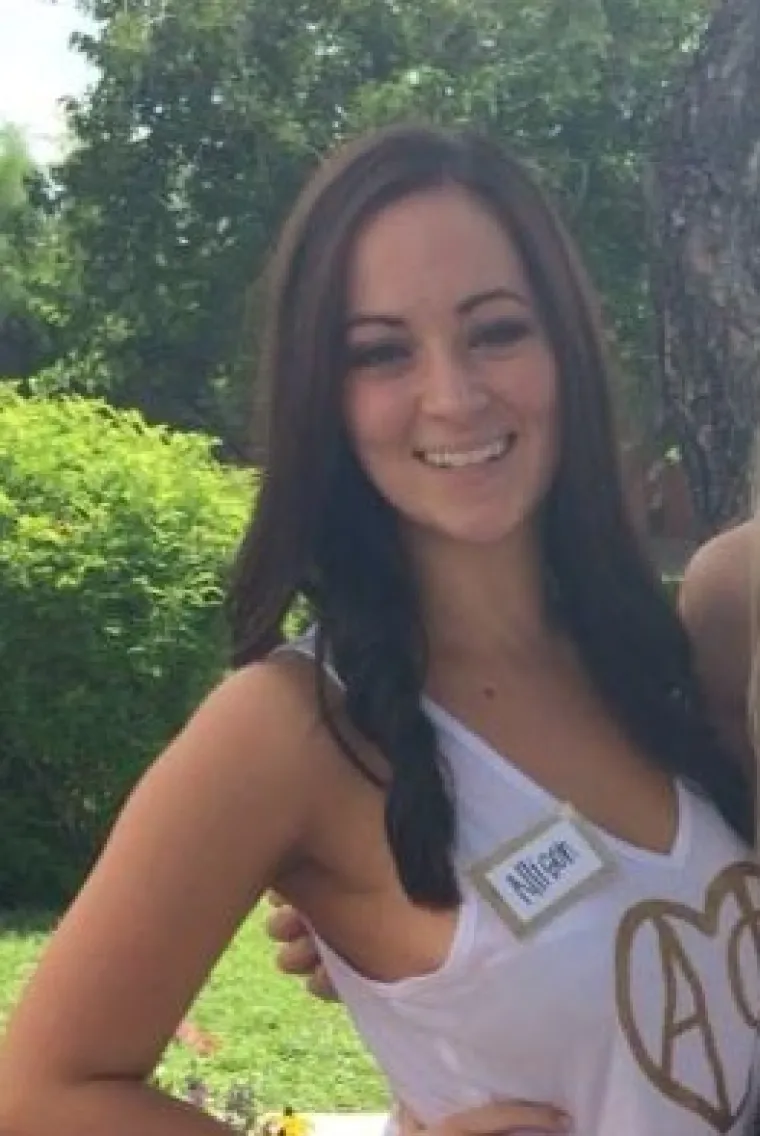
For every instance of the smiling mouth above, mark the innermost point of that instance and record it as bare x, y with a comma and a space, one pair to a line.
449, 458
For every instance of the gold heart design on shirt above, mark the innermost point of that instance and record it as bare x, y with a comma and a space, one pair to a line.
665, 921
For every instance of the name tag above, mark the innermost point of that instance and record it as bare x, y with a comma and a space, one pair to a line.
531, 880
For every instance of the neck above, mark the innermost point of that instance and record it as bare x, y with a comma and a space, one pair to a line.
484, 601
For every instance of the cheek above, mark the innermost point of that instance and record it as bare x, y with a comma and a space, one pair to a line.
545, 402
533, 389
548, 422
546, 412
377, 417
536, 397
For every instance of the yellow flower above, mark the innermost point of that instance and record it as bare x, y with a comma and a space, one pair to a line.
294, 1125
286, 1123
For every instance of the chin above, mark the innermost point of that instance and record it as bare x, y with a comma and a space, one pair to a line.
484, 537
479, 532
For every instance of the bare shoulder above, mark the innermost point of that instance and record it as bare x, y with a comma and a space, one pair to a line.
256, 737
254, 723
219, 814
715, 605
716, 583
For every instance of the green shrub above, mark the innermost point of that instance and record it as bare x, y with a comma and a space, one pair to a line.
114, 541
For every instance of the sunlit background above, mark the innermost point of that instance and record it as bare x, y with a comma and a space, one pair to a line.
37, 68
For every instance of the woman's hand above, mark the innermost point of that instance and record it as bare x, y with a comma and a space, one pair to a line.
297, 954
513, 1118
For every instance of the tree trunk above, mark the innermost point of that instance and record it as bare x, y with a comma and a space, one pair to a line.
705, 226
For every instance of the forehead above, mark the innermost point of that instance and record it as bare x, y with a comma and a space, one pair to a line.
431, 249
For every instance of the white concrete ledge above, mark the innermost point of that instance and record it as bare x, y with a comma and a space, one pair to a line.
349, 1124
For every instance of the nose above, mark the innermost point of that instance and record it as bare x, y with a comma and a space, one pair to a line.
450, 388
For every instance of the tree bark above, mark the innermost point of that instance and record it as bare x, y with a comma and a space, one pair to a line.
704, 196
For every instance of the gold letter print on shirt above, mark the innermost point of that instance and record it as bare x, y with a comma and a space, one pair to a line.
687, 1019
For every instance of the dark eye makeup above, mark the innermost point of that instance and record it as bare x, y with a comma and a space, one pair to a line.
383, 353
495, 334
500, 333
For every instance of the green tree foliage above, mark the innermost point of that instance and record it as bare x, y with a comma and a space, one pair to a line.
114, 541
36, 271
209, 113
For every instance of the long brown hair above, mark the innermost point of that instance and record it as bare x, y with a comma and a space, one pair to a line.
322, 531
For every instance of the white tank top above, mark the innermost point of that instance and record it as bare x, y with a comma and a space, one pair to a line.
636, 1008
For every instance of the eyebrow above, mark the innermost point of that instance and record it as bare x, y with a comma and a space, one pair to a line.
364, 320
464, 307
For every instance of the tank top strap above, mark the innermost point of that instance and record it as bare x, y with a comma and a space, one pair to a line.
306, 645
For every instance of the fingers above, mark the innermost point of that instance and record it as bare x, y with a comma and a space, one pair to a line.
285, 924
299, 958
320, 985
504, 1119
407, 1123
297, 954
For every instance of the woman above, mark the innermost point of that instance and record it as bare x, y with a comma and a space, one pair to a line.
489, 644
716, 603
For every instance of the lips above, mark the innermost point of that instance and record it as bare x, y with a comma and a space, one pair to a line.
449, 457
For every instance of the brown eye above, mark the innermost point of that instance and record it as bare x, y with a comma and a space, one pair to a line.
500, 333
371, 356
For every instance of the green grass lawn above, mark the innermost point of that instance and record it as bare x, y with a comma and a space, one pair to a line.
287, 1046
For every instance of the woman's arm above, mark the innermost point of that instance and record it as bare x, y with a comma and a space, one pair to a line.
210, 826
715, 603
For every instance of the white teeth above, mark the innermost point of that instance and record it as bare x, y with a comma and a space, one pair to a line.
457, 459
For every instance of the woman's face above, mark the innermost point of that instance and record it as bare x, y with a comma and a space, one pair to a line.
451, 391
